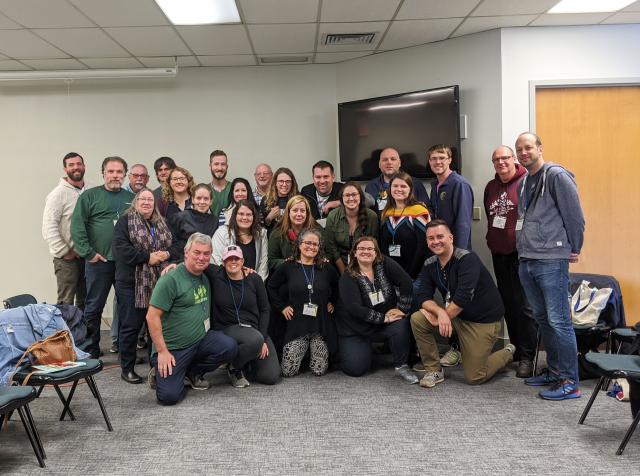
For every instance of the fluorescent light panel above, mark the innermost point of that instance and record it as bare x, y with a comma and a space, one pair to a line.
88, 74
200, 12
589, 6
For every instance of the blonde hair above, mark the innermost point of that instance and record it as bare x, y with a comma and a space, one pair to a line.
285, 224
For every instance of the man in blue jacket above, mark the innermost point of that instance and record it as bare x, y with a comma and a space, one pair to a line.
549, 236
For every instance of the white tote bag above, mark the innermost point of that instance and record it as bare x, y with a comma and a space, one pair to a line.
587, 304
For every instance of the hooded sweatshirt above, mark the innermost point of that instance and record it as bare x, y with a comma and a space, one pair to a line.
501, 200
549, 204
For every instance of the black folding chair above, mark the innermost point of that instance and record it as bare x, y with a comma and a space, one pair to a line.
19, 300
72, 375
17, 399
610, 366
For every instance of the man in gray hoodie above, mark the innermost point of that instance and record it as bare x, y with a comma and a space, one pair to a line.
549, 235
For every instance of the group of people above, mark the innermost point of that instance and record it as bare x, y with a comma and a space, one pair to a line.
259, 279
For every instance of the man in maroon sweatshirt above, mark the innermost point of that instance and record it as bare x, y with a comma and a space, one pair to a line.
501, 207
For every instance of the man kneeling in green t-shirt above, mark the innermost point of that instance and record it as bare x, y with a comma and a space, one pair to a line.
184, 348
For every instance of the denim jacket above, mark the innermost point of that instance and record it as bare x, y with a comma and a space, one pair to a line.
22, 326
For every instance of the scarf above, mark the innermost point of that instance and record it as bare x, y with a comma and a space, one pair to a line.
150, 238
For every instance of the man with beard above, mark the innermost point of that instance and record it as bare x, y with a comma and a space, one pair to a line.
324, 193
138, 178
56, 231
220, 186
96, 212
263, 175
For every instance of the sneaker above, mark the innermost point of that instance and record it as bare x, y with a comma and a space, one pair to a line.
430, 379
114, 349
151, 378
525, 369
142, 343
545, 378
561, 390
511, 348
451, 358
197, 382
405, 373
419, 367
237, 378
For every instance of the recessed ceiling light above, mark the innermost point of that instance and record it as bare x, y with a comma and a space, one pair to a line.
200, 12
589, 6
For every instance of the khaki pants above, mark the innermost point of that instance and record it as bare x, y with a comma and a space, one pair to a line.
71, 283
476, 343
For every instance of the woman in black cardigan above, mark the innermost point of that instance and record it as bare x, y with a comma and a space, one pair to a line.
372, 312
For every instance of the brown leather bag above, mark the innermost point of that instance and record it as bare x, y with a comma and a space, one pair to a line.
55, 349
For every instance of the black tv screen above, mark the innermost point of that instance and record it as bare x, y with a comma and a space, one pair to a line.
409, 122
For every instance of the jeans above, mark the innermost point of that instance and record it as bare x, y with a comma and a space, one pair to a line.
100, 277
546, 284
131, 321
355, 351
115, 321
517, 314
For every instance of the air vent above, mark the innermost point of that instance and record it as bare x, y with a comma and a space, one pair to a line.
283, 59
332, 39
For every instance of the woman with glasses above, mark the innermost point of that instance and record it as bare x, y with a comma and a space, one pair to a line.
376, 298
240, 309
177, 192
240, 190
347, 223
198, 218
304, 291
245, 231
403, 230
282, 188
141, 241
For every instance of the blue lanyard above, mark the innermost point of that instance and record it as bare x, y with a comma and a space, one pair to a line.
393, 230
306, 278
238, 306
154, 238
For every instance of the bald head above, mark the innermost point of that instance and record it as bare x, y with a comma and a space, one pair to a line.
389, 162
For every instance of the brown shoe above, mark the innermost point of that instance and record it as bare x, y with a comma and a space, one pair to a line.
525, 369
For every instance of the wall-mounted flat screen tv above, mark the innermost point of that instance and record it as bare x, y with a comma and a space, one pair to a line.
409, 122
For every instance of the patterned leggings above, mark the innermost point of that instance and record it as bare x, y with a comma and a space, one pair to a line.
295, 350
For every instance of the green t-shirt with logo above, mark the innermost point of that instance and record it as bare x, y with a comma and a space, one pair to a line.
184, 300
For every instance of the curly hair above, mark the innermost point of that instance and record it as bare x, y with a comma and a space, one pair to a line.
271, 198
167, 191
319, 259
255, 228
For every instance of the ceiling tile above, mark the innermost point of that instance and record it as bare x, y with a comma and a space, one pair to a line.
216, 39
111, 63
423, 9
634, 7
62, 64
24, 44
149, 40
168, 61
368, 27
228, 60
552, 19
12, 65
417, 32
358, 10
122, 12
44, 13
279, 11
6, 24
626, 17
513, 7
338, 57
476, 24
289, 38
83, 42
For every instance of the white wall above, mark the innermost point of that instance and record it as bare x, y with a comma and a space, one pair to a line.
554, 53
281, 115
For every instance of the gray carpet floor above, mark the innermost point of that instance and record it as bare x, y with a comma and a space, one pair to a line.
334, 424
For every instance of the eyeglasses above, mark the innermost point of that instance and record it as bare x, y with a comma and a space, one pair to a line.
137, 176
365, 248
311, 244
179, 179
146, 199
506, 158
438, 159
284, 182
262, 174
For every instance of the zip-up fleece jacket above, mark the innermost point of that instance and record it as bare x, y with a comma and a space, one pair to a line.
553, 226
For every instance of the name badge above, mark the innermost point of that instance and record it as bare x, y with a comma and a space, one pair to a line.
376, 297
382, 204
322, 222
115, 221
207, 325
519, 224
310, 309
394, 250
499, 222
242, 324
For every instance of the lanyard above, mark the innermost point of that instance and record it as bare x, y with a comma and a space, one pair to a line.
154, 238
309, 281
393, 230
238, 306
441, 280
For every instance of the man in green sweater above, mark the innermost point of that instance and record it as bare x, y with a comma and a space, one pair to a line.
96, 212
220, 186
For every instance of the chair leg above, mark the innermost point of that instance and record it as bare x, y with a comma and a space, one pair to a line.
594, 394
66, 401
34, 445
40, 391
628, 434
92, 384
34, 429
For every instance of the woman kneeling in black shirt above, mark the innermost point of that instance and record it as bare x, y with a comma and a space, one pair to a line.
371, 310
241, 310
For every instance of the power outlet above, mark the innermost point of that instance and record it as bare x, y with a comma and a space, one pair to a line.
477, 213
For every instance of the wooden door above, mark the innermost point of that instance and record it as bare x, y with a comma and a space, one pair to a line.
595, 133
